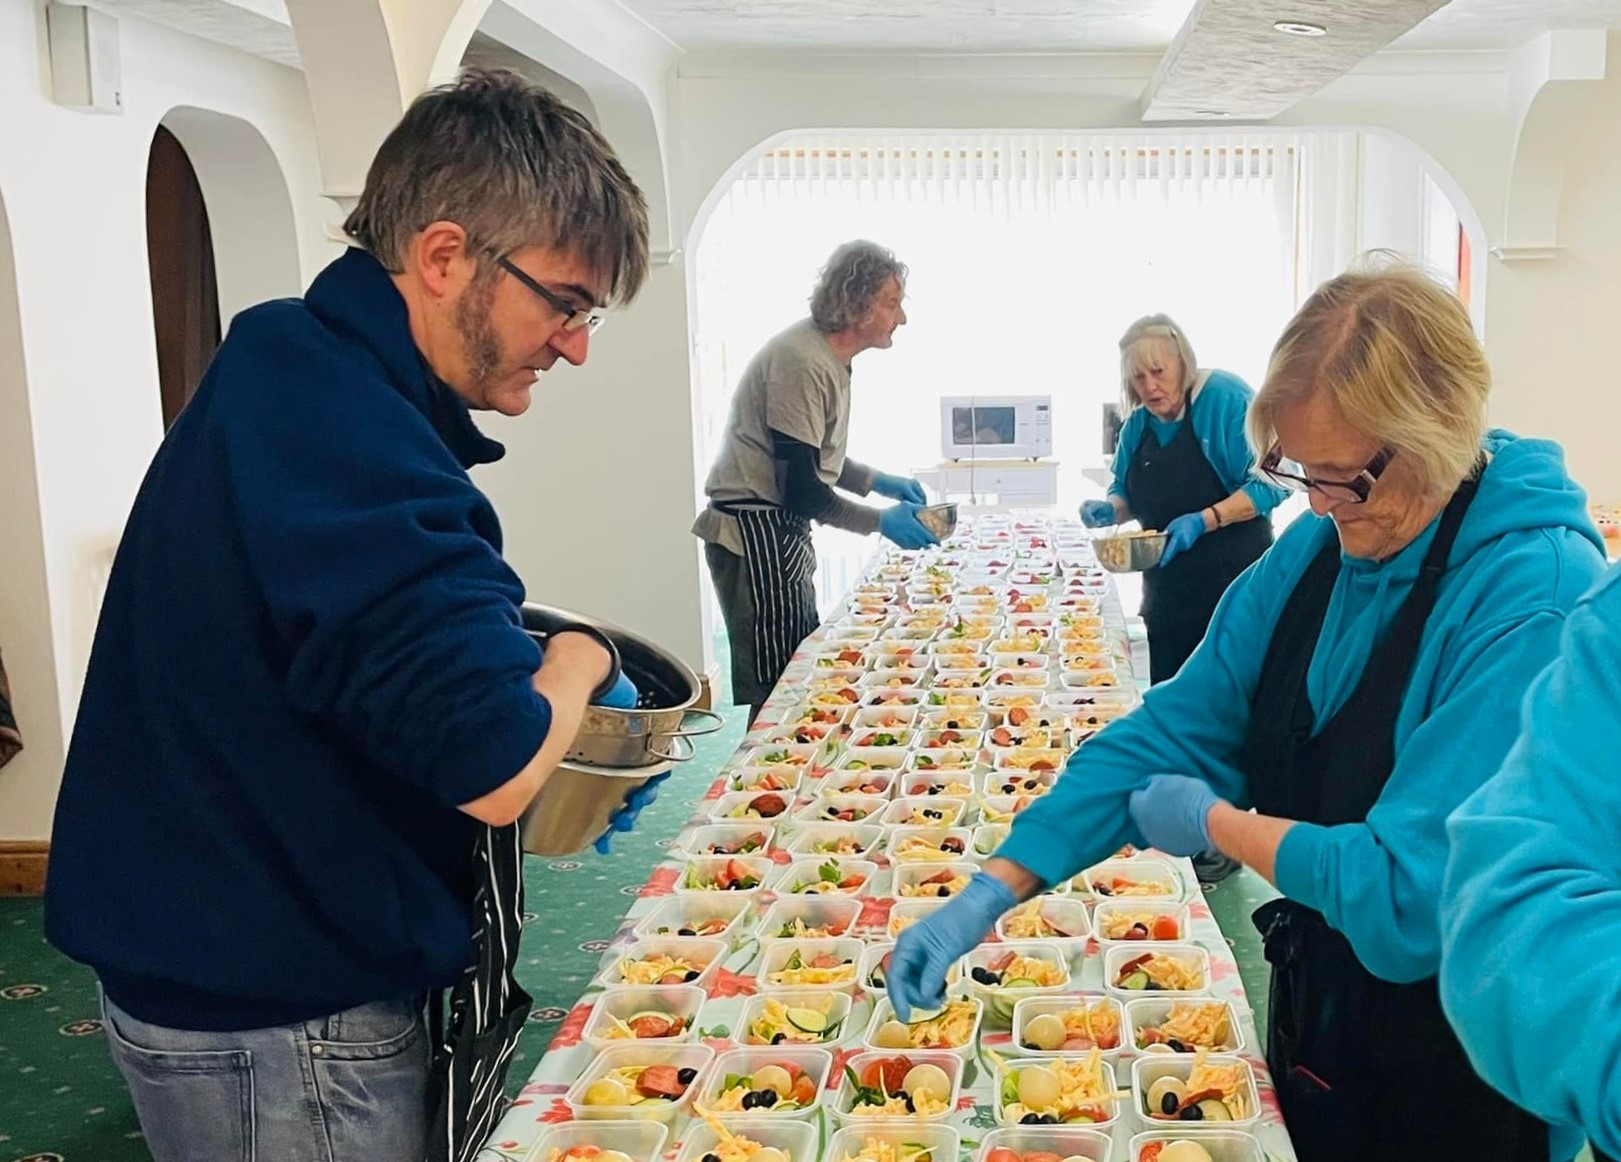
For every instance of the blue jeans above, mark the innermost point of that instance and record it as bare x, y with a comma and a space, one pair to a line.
351, 1087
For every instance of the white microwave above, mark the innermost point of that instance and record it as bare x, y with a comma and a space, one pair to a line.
992, 427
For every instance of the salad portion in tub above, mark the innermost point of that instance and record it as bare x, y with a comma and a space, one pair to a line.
896, 1087
1072, 1027
806, 970
1067, 1091
1214, 1091
639, 1086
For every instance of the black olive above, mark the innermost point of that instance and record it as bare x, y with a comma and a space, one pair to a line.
1008, 788
951, 724
768, 1098
928, 814
1049, 1119
832, 812
692, 975
951, 843
1192, 1114
1031, 784
750, 1100
711, 1158
687, 1077
1177, 1046
911, 1107
1102, 889
1140, 927
779, 1038
686, 932
943, 890
1168, 1103
982, 975
1030, 1120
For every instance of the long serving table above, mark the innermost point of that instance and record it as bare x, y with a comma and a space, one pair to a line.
531, 1128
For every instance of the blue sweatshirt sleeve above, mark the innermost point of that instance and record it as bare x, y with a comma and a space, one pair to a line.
379, 565
1377, 881
1194, 724
1531, 905
1222, 407
1131, 434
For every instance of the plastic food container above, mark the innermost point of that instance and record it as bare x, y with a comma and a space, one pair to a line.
834, 1007
642, 1141
727, 834
942, 1143
1053, 1005
1149, 1068
1064, 1141
804, 877
626, 1001
910, 878
999, 1000
867, 836
948, 739
706, 954
998, 781
702, 869
1031, 761
956, 701
1097, 881
967, 718
929, 850
1063, 913
816, 1063
880, 718
842, 809
988, 837
688, 912
1149, 1012
779, 953
1112, 1106
873, 758
925, 811
834, 912
795, 1139
859, 782
884, 1012
1105, 910
1223, 1145
751, 806
949, 1063
781, 778
796, 754
893, 696
894, 679
1118, 954
697, 1057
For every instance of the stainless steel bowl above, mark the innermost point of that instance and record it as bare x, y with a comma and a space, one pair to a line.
1130, 552
939, 519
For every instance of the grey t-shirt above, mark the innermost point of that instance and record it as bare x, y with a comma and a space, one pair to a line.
795, 385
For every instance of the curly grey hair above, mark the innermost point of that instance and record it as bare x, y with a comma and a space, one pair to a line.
514, 166
848, 284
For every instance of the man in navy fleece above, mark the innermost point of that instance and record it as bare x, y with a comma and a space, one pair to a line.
310, 691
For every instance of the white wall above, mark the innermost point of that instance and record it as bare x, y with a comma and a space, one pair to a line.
74, 189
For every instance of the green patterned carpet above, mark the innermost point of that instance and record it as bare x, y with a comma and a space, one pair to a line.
61, 1100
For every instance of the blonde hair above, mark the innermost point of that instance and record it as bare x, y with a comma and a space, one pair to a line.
1397, 353
1159, 332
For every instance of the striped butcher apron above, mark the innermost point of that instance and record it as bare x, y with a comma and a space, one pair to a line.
781, 559
475, 1041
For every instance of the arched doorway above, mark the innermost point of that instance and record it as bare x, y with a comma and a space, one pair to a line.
180, 257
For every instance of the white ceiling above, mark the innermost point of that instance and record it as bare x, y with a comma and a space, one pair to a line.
977, 26
932, 26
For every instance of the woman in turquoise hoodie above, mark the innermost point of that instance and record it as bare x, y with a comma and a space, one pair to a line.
1351, 691
1531, 904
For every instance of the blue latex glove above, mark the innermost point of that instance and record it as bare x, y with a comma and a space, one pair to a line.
900, 524
900, 488
926, 951
623, 695
1172, 812
625, 818
1095, 514
1182, 532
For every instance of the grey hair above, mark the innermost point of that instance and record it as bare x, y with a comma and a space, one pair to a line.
848, 285
514, 166
1161, 330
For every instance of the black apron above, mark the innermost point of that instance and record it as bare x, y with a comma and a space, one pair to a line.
1365, 1069
781, 560
1161, 485
473, 1047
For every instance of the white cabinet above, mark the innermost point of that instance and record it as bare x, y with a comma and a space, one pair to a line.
997, 483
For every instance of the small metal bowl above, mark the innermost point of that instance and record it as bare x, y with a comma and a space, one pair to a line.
939, 519
1130, 552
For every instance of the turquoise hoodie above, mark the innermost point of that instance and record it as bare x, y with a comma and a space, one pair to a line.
1531, 906
1525, 554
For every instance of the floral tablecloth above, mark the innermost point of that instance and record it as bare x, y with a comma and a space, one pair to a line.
540, 1103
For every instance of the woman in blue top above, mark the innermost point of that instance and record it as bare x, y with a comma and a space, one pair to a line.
1531, 906
1182, 465
1350, 691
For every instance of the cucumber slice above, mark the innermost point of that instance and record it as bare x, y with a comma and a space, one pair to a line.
1135, 980
920, 1016
1214, 1111
808, 1020
1021, 982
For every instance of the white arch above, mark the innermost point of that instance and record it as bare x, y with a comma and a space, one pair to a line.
250, 209
25, 609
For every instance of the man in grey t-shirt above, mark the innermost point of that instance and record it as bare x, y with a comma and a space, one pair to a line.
783, 455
